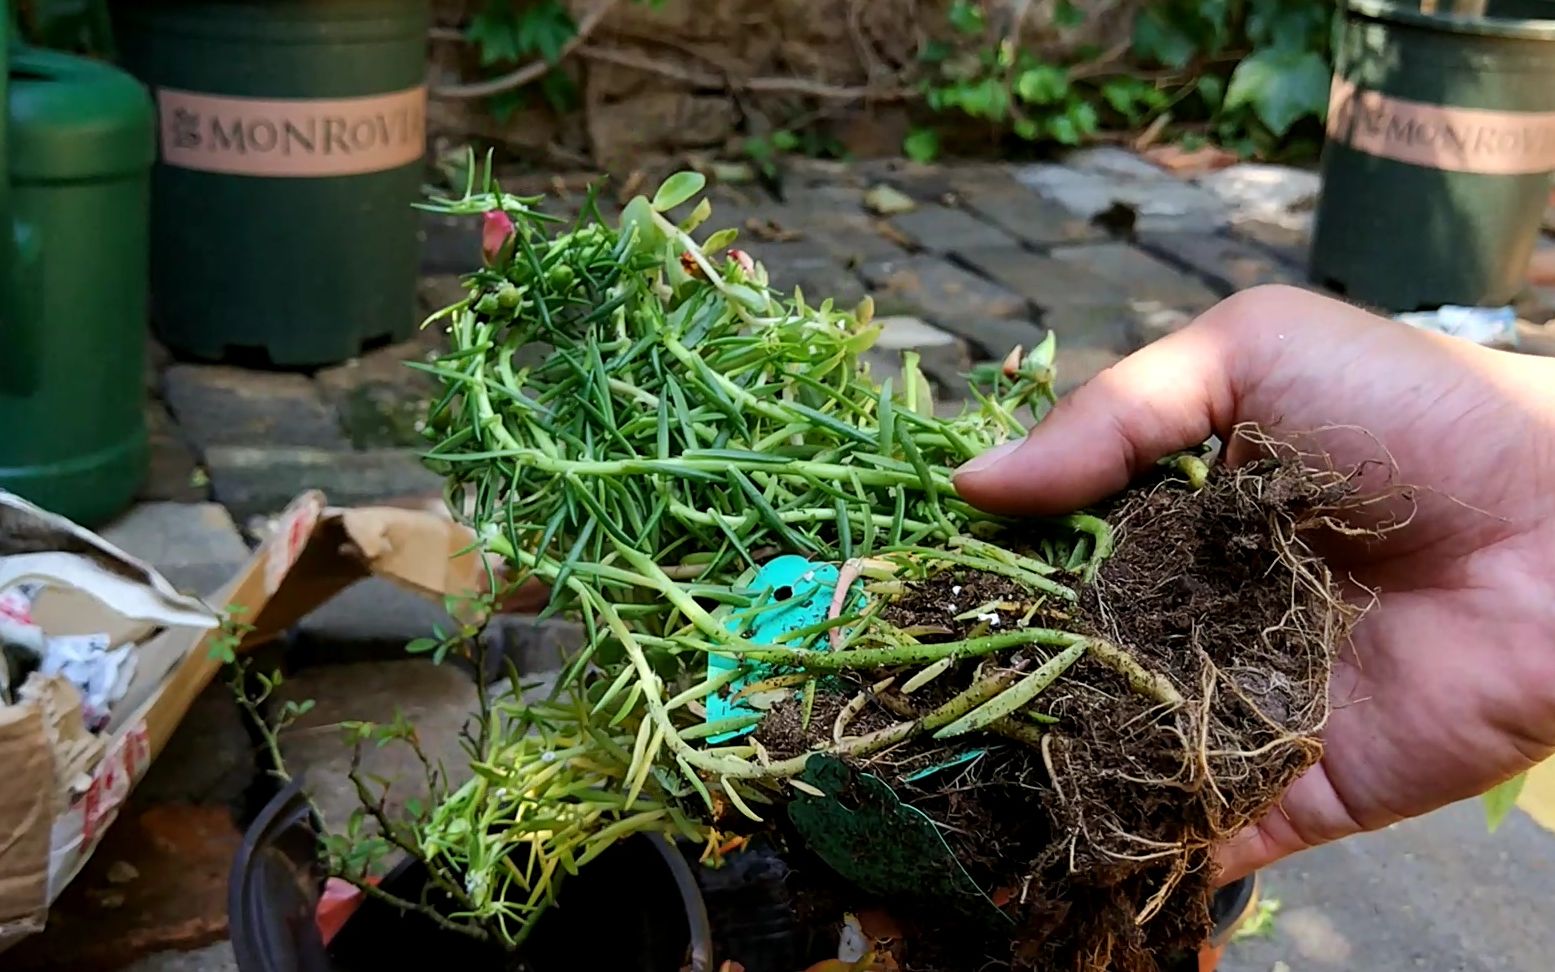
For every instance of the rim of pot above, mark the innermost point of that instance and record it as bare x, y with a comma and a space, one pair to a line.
1512, 28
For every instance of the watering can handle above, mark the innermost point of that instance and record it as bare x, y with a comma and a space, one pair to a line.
19, 251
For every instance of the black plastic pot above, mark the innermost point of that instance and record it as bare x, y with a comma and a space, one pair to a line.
1441, 142
635, 908
640, 907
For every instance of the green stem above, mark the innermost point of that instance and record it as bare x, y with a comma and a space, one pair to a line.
868, 658
1014, 697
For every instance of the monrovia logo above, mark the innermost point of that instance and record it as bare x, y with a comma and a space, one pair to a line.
1439, 136
299, 137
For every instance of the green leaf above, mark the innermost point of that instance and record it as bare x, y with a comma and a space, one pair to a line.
935, 52
1281, 86
1211, 88
719, 239
1500, 800
559, 91
677, 189
545, 28
759, 147
1295, 24
785, 141
987, 98
1042, 85
494, 33
1028, 129
698, 216
1066, 14
1125, 95
920, 397
921, 145
1084, 116
1072, 127
1215, 24
421, 646
966, 17
1159, 38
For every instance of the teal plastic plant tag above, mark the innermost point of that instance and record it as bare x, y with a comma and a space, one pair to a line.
798, 595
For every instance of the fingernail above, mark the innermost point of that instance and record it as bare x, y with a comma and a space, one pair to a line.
988, 459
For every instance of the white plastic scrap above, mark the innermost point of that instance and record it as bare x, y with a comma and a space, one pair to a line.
101, 674
1482, 325
852, 944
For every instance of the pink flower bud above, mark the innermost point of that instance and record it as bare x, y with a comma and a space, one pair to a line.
498, 237
743, 261
1012, 362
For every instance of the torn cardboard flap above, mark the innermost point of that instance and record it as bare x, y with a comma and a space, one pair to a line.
317, 551
28, 529
64, 790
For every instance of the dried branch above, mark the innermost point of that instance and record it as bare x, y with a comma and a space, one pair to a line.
405, 904
534, 70
378, 810
760, 85
640, 62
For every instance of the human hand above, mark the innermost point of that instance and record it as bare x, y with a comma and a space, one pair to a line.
1448, 687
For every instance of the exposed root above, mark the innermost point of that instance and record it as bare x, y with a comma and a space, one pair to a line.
1094, 798
1141, 681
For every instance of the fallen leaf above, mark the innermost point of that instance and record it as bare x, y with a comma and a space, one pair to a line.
864, 964
879, 925
883, 200
895, 235
122, 872
733, 172
1184, 162
771, 231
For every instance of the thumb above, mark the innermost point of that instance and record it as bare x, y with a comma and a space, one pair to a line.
1169, 396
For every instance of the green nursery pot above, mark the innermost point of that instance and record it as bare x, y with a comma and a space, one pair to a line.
1441, 142
291, 140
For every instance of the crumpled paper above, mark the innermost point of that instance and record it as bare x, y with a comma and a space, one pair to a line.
98, 671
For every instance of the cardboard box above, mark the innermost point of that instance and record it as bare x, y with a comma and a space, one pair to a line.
64, 785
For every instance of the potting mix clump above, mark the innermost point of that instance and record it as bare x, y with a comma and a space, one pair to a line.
1006, 743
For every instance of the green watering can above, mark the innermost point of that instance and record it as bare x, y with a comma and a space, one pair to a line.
77, 139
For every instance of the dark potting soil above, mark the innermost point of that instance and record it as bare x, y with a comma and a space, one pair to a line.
1099, 839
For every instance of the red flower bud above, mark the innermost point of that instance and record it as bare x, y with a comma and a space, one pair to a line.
498, 238
743, 260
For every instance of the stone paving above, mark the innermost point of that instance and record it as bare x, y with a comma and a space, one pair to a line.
1104, 249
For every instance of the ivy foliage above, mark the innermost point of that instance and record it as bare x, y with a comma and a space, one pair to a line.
1250, 74
508, 33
